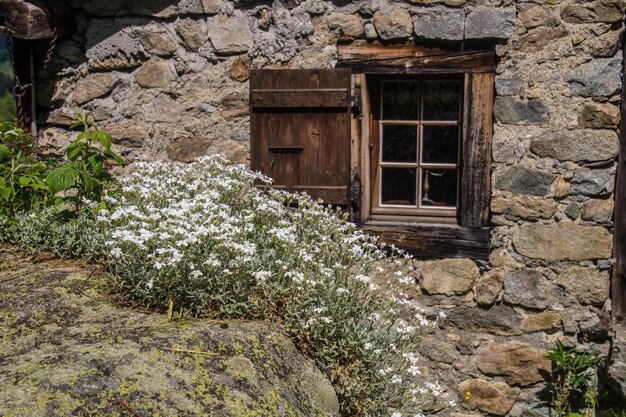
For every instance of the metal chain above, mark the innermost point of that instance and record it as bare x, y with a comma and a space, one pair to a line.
20, 90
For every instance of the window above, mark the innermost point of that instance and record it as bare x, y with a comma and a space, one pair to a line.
416, 145
399, 136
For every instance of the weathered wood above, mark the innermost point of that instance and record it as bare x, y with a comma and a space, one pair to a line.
618, 274
35, 19
433, 241
478, 132
22, 55
300, 98
407, 58
303, 145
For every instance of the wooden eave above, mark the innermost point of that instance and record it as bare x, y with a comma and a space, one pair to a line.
35, 19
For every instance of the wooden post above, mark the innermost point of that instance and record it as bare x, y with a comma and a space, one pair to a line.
618, 278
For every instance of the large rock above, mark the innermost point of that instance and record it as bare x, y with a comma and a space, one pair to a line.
525, 288
154, 74
113, 43
157, 43
513, 110
606, 11
517, 362
593, 182
600, 77
538, 16
193, 33
489, 286
493, 397
484, 22
69, 350
577, 145
562, 241
599, 116
540, 37
614, 374
524, 206
588, 286
394, 25
448, 276
93, 86
546, 321
522, 180
129, 134
230, 35
509, 85
500, 319
348, 25
439, 24
599, 211
199, 6
188, 149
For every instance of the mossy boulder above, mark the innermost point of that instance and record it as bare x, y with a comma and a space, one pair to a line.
68, 348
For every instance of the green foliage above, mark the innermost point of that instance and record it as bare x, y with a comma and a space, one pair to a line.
83, 176
572, 380
8, 107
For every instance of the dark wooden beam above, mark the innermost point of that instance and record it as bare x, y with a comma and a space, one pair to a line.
618, 277
35, 19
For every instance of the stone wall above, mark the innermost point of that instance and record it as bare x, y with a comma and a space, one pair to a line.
170, 81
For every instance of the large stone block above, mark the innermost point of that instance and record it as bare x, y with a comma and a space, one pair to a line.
440, 24
519, 363
188, 149
509, 85
490, 23
562, 241
230, 35
606, 11
588, 285
154, 74
577, 145
394, 25
538, 16
499, 320
539, 38
513, 110
448, 276
489, 286
524, 206
493, 397
599, 116
93, 86
193, 32
599, 77
593, 182
348, 25
157, 43
599, 211
546, 321
522, 180
525, 288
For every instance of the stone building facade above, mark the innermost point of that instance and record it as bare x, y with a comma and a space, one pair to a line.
169, 80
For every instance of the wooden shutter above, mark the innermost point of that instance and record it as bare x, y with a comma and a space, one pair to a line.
300, 130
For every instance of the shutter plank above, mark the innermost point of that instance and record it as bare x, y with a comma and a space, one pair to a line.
300, 130
478, 128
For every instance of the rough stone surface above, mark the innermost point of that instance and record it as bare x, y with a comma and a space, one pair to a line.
562, 241
154, 74
347, 24
517, 362
439, 350
492, 397
598, 77
524, 206
489, 286
230, 35
188, 149
439, 24
587, 285
607, 11
615, 373
394, 25
599, 211
522, 180
593, 182
490, 22
512, 110
193, 32
157, 43
509, 85
70, 349
500, 319
240, 69
599, 116
93, 86
538, 16
577, 145
128, 134
546, 321
448, 276
541, 37
525, 288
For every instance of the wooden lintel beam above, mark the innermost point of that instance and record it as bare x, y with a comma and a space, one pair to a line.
35, 19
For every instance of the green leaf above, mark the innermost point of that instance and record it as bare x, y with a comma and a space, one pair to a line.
74, 149
103, 138
5, 152
24, 181
96, 162
62, 178
87, 180
114, 157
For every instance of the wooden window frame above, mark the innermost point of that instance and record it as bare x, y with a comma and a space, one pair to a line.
426, 238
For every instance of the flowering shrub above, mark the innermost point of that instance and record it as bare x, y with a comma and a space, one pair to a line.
202, 240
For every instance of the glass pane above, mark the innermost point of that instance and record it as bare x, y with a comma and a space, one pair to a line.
400, 100
399, 143
441, 144
442, 100
398, 186
439, 187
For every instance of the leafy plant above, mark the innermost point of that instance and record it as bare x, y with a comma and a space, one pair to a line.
572, 377
83, 176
